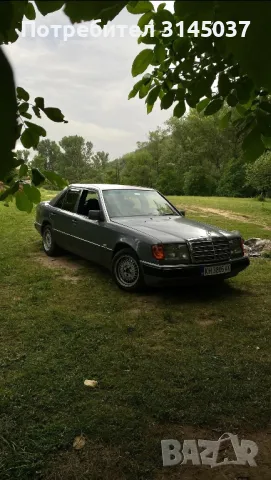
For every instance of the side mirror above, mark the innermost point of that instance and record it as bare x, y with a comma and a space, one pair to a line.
95, 215
182, 212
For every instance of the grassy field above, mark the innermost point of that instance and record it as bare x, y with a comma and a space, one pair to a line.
169, 364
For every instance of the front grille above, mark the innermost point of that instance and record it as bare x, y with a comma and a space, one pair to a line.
205, 250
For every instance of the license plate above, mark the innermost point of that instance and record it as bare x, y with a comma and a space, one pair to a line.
217, 269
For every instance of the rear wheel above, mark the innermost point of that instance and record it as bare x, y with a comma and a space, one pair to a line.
49, 245
127, 271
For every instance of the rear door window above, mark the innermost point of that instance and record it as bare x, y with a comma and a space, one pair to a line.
69, 201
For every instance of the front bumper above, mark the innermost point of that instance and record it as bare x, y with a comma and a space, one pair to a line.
189, 274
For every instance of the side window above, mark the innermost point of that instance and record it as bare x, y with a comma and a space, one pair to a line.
69, 200
89, 201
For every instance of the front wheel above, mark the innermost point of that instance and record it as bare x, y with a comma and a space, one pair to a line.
126, 270
49, 245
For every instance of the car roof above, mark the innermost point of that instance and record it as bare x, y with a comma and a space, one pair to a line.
107, 186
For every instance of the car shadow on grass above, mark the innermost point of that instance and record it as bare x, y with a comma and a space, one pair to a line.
203, 292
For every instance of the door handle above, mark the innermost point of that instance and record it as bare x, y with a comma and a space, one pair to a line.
52, 214
74, 222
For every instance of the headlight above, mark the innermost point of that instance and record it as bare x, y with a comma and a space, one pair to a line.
236, 247
172, 251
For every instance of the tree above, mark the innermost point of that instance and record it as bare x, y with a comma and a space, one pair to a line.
198, 181
186, 56
259, 175
23, 155
51, 152
75, 158
138, 169
233, 180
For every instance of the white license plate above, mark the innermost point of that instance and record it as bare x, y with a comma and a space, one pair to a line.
217, 269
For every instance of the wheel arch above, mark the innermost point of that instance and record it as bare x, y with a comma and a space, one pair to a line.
121, 245
44, 224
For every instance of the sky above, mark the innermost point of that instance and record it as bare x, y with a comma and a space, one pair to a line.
89, 79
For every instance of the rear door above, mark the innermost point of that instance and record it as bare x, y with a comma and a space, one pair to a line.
63, 219
91, 235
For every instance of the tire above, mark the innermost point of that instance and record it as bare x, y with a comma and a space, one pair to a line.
127, 272
49, 246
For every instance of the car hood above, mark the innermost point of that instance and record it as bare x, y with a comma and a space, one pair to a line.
170, 229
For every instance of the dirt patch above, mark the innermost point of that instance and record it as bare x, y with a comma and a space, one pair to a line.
205, 323
68, 266
63, 262
227, 214
109, 462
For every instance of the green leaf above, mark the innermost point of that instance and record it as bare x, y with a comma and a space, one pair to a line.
241, 110
191, 100
196, 10
180, 109
244, 89
224, 84
39, 101
140, 7
263, 122
224, 121
148, 40
37, 128
36, 110
37, 177
265, 106
161, 7
163, 16
23, 170
95, 10
32, 193
22, 94
232, 100
181, 47
144, 90
135, 89
153, 95
253, 145
26, 115
30, 11
55, 179
167, 100
23, 107
22, 202
266, 141
202, 104
49, 7
180, 94
214, 106
149, 108
159, 52
144, 20
54, 114
142, 61
29, 138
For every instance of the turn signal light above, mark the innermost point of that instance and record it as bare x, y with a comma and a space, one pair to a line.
158, 252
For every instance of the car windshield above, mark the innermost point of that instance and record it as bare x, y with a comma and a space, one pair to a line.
134, 203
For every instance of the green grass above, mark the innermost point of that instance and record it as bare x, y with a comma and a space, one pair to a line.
163, 360
252, 208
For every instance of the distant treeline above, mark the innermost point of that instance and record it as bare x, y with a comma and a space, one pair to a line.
188, 156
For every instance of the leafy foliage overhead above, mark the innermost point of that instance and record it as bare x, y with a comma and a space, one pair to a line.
202, 72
